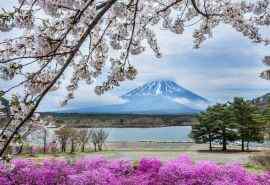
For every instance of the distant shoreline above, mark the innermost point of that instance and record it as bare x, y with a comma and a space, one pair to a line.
151, 141
78, 120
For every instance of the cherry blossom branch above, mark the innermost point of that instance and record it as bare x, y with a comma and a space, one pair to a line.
76, 19
21, 5
6, 126
101, 38
205, 14
132, 32
35, 57
162, 10
169, 6
70, 58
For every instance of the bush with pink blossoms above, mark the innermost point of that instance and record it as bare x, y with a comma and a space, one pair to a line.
100, 171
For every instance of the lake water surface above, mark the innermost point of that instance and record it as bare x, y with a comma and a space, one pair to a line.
176, 133
169, 134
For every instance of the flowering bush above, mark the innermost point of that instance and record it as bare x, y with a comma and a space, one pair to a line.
100, 171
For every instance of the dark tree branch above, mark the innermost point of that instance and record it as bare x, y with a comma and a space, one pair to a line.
194, 4
132, 32
35, 57
101, 38
205, 14
169, 6
69, 60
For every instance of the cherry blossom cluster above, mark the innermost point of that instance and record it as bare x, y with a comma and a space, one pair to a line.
17, 111
36, 83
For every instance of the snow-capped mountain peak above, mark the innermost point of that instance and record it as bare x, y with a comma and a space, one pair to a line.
156, 97
166, 88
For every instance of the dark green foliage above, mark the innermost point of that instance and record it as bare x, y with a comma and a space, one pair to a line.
205, 131
247, 118
265, 119
216, 124
224, 123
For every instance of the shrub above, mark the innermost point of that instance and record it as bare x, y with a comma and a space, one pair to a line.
100, 171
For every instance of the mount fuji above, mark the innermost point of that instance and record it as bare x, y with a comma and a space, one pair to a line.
156, 97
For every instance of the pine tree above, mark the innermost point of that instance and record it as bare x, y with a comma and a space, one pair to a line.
225, 123
264, 119
246, 116
216, 123
204, 132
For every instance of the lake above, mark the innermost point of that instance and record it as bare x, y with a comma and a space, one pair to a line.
166, 134
175, 133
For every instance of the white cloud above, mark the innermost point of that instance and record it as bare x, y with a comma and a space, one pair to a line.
194, 104
203, 71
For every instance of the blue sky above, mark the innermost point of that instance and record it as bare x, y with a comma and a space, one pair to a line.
226, 66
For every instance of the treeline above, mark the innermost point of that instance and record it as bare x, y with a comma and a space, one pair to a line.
239, 120
77, 139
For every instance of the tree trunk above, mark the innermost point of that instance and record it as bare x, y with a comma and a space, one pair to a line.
72, 150
63, 147
247, 145
20, 149
45, 141
243, 145
100, 147
95, 147
210, 143
83, 147
224, 141
224, 145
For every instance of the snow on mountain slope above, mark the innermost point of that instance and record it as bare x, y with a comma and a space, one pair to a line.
163, 88
156, 97
149, 105
168, 89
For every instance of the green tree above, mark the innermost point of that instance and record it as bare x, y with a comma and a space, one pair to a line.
204, 132
246, 116
225, 123
217, 123
264, 119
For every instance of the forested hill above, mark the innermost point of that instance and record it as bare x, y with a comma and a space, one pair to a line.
121, 120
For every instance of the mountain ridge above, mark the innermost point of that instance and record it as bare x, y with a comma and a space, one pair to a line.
162, 87
155, 97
